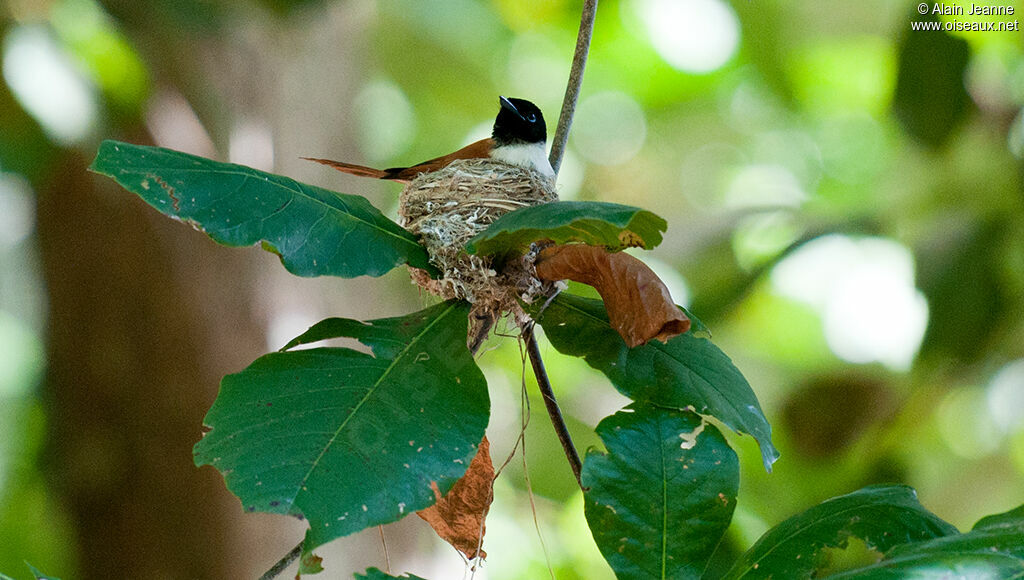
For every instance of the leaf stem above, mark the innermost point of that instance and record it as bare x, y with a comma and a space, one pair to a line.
572, 89
283, 563
554, 412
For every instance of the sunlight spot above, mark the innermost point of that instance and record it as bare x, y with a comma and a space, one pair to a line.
252, 143
286, 325
1015, 136
696, 36
17, 210
764, 185
175, 125
965, 425
1006, 396
48, 85
21, 365
863, 289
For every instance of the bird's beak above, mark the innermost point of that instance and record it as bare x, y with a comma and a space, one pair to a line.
507, 105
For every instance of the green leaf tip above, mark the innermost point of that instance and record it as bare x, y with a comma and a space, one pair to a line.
39, 575
612, 225
315, 232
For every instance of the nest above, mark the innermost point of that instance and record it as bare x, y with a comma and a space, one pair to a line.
448, 207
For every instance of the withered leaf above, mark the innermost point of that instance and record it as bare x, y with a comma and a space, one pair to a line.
458, 517
638, 303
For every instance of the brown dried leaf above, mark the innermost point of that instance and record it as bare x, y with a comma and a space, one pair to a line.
458, 517
638, 303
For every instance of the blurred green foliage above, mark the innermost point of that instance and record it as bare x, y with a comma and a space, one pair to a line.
827, 118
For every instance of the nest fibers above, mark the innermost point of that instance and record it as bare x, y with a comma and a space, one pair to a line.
448, 207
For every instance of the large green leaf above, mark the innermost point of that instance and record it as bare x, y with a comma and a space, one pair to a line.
660, 500
1012, 518
940, 566
882, 516
596, 223
687, 371
993, 549
316, 232
347, 439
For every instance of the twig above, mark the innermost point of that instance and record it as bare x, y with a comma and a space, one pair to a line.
572, 89
383, 542
557, 421
283, 563
524, 421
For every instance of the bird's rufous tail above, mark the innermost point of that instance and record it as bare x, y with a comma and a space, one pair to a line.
360, 170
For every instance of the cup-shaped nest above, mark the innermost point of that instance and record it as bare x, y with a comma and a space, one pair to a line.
448, 207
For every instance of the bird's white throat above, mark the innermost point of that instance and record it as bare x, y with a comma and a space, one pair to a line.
529, 155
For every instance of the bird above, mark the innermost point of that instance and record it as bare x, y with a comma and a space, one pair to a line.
519, 138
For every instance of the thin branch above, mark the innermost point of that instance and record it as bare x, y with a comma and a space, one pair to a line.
572, 89
283, 563
557, 421
384, 543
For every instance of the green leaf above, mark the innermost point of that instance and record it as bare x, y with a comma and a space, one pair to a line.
39, 575
883, 516
1012, 518
341, 327
316, 232
660, 500
375, 574
931, 97
687, 371
611, 225
973, 566
1003, 533
350, 440
993, 549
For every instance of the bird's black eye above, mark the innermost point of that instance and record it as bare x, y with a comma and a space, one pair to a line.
531, 118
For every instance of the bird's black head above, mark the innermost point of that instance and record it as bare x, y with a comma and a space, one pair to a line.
519, 121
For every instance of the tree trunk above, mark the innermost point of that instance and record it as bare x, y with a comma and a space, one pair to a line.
145, 315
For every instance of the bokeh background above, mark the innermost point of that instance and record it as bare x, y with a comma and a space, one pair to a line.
845, 207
